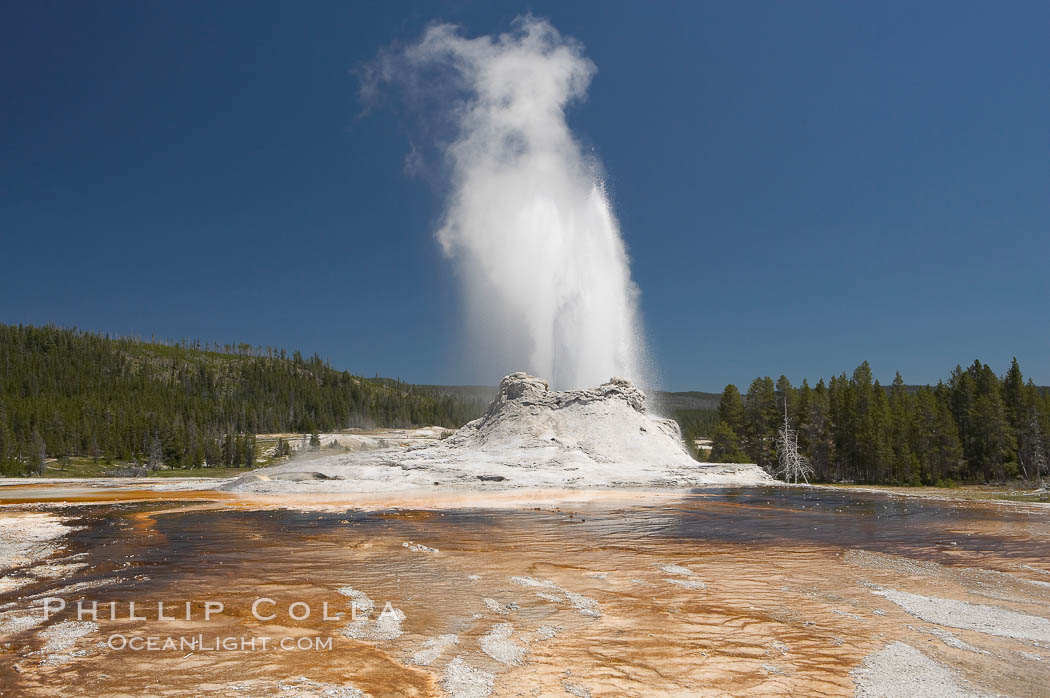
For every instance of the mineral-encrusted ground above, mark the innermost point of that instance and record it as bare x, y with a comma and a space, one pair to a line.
530, 436
749, 591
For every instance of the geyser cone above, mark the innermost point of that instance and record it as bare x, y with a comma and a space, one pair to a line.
530, 436
606, 425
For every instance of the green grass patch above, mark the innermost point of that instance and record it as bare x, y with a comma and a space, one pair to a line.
85, 467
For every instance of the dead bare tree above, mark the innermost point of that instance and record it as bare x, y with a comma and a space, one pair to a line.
792, 465
1031, 454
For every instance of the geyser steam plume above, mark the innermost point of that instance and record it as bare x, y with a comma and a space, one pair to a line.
527, 221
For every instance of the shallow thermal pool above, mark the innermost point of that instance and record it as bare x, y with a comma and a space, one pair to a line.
747, 591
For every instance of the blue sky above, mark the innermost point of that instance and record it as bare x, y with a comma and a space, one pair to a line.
802, 186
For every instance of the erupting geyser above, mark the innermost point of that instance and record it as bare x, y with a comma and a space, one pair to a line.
547, 281
528, 223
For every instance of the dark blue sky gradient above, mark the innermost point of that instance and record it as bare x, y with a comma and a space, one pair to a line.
802, 185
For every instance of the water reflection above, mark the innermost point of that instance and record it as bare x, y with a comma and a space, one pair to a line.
948, 532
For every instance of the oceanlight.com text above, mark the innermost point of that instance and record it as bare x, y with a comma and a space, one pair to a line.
199, 643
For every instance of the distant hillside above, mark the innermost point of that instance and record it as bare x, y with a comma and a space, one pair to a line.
662, 402
669, 403
475, 394
66, 393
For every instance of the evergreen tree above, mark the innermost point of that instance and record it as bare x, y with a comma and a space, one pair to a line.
1014, 396
853, 429
804, 399
725, 447
731, 408
761, 422
92, 395
238, 451
1032, 455
156, 453
816, 433
906, 467
39, 453
787, 398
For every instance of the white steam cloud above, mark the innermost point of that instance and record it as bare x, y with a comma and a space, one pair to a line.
527, 221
